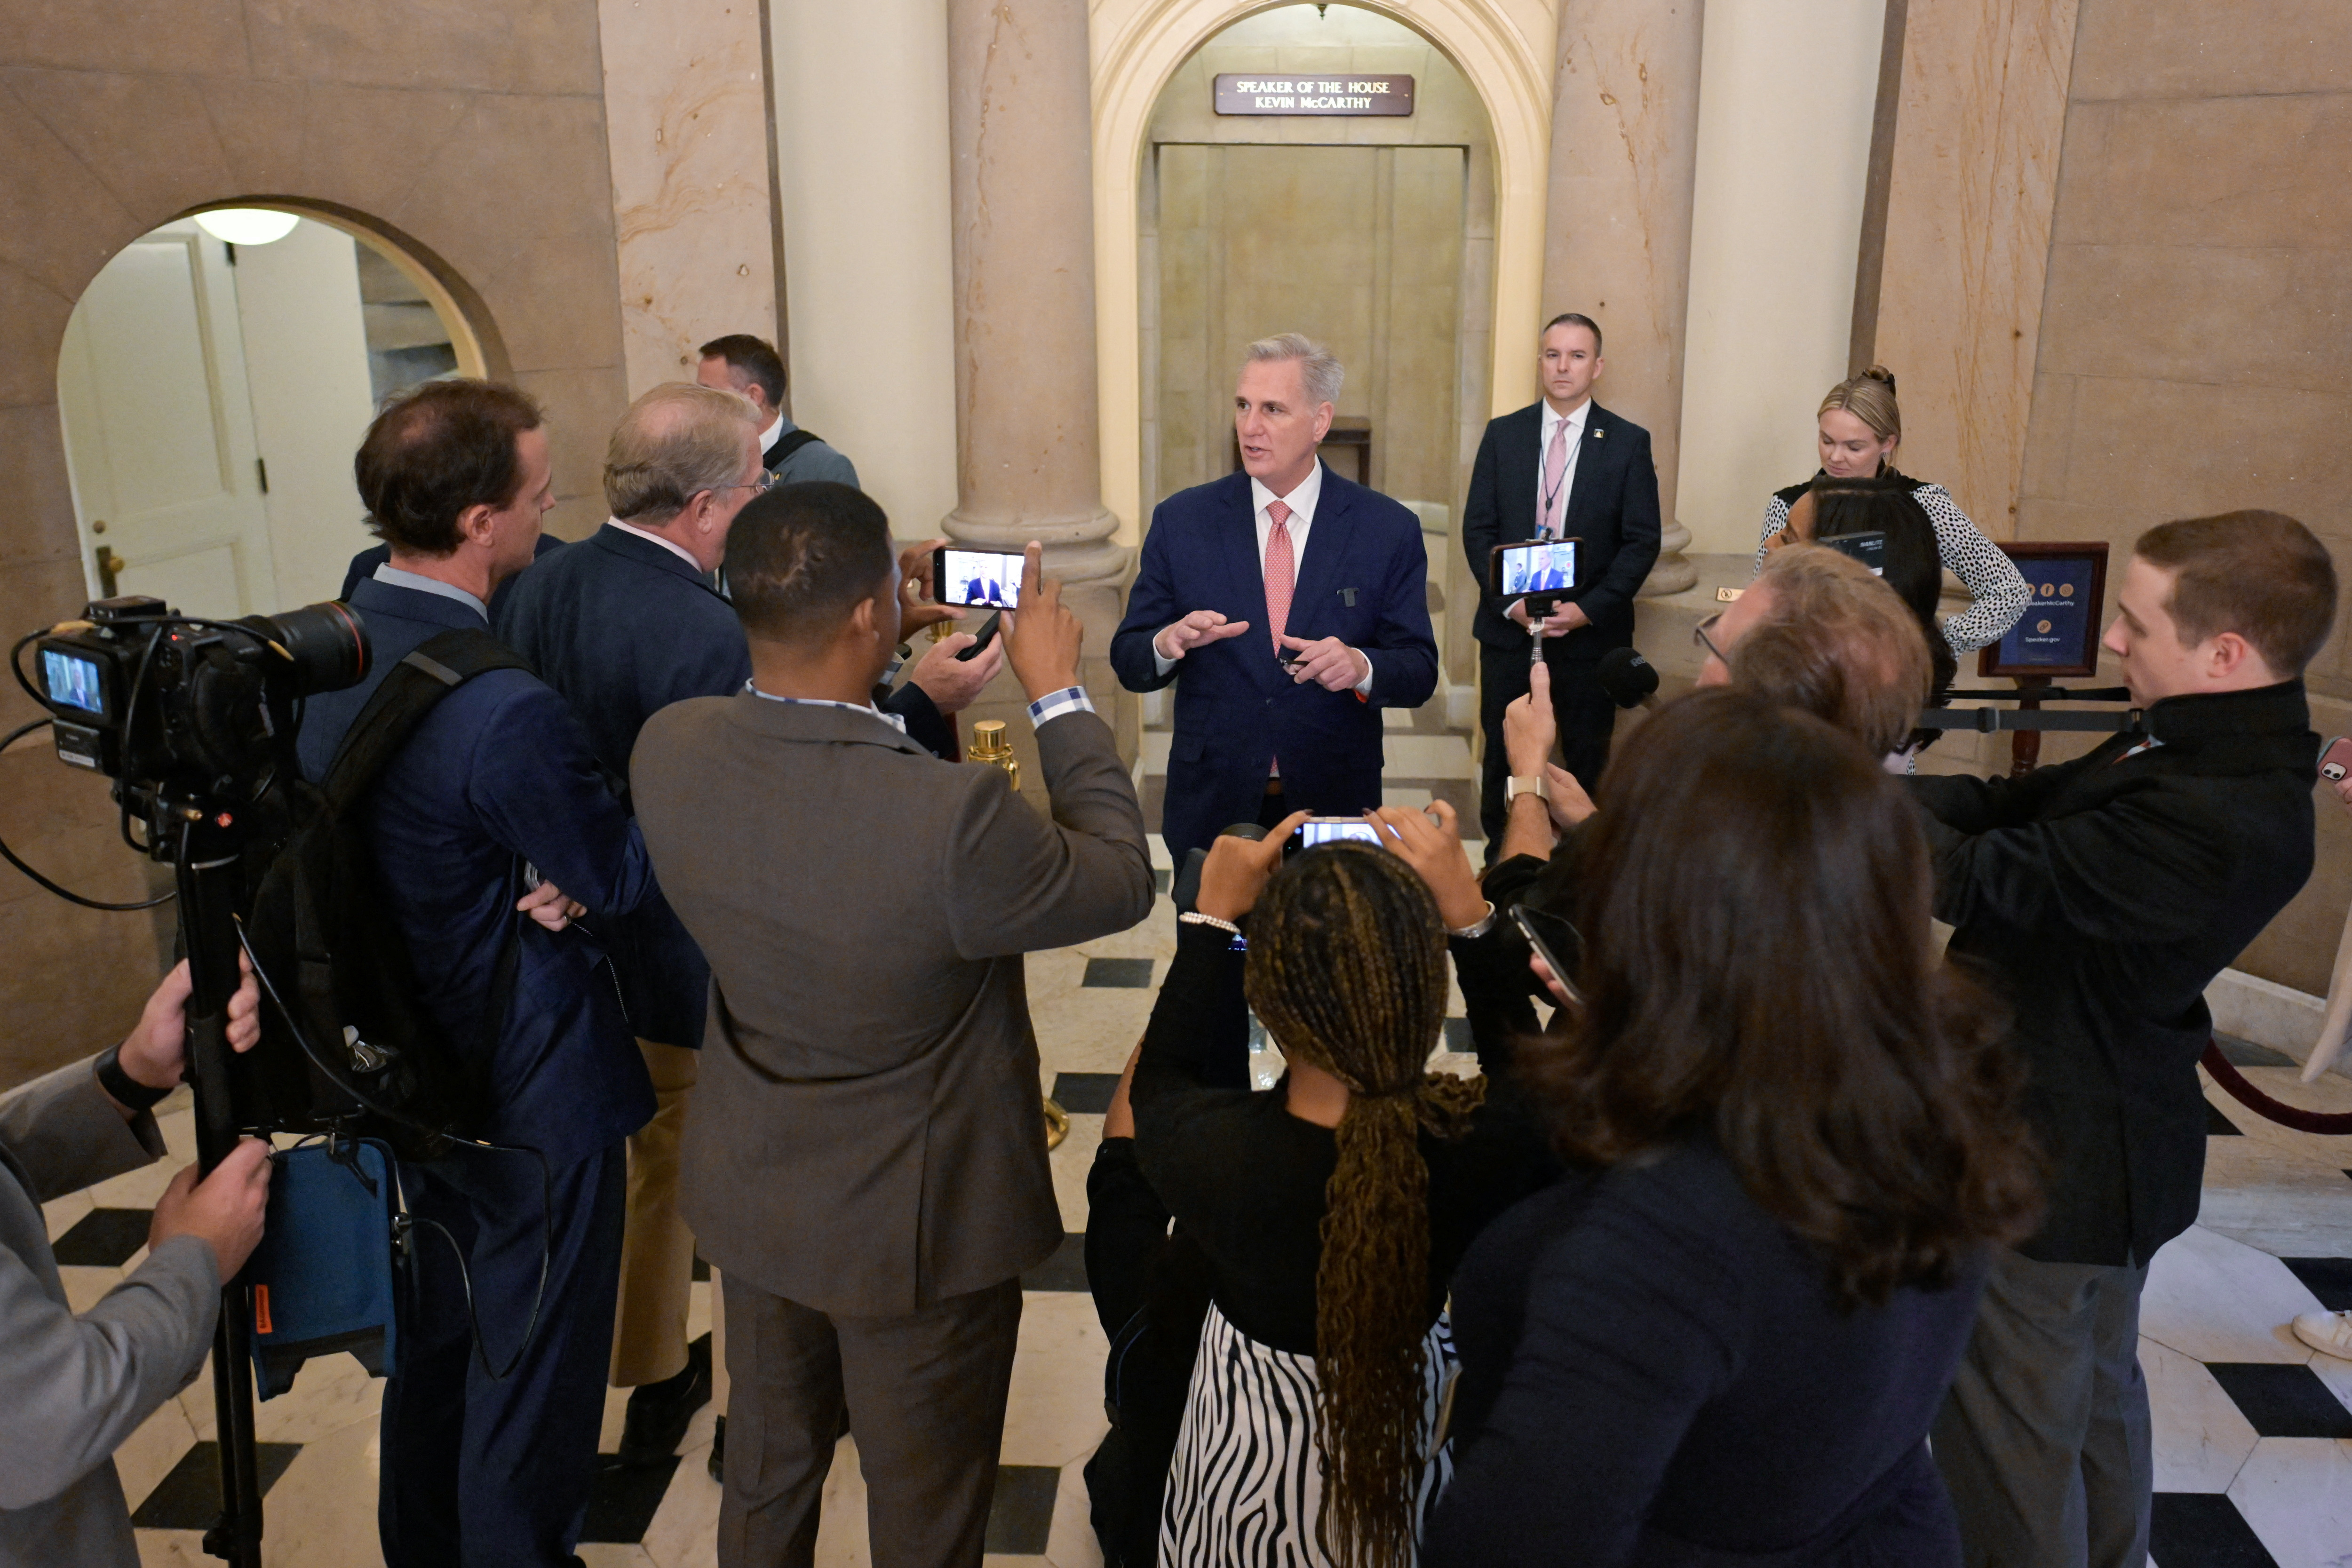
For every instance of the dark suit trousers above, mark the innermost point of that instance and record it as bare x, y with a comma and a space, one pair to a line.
1586, 717
925, 1397
489, 1474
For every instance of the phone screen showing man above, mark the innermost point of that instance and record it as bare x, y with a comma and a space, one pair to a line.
1318, 830
977, 578
1543, 566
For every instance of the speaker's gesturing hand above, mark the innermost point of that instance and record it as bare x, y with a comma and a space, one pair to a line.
1180, 637
1328, 662
1042, 637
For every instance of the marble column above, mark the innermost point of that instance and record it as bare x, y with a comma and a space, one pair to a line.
1028, 462
686, 118
1617, 230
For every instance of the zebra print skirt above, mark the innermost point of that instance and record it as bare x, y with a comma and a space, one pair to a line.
1246, 1484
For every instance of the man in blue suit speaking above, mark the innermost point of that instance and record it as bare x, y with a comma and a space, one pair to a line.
1332, 577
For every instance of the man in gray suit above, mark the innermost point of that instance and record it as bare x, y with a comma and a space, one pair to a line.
864, 1157
75, 1387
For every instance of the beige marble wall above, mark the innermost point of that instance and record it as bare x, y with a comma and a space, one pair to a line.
1503, 47
1969, 201
474, 137
2195, 338
686, 118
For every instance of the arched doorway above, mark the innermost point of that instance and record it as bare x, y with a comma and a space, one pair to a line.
214, 381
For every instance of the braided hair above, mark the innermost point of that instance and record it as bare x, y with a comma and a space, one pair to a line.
1347, 969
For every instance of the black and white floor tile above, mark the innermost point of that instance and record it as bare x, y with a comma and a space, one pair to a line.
2254, 1431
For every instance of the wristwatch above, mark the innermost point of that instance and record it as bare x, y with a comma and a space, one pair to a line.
1519, 786
128, 1091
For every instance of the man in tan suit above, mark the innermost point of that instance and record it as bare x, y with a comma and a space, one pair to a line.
865, 1160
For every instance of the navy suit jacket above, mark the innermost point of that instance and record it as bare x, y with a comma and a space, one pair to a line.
500, 774
623, 628
1363, 579
1612, 512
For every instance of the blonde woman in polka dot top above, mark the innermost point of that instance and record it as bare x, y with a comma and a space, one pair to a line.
1860, 428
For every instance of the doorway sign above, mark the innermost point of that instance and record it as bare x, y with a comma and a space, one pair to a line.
1241, 93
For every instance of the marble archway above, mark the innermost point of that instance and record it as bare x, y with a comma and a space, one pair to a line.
1505, 49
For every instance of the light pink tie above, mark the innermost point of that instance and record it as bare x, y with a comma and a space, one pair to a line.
1281, 572
1555, 472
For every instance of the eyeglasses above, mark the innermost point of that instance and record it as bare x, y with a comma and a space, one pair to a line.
761, 486
1699, 637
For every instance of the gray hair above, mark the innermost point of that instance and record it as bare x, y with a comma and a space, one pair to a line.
675, 442
1321, 373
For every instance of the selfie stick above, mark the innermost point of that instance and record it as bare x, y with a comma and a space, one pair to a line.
206, 871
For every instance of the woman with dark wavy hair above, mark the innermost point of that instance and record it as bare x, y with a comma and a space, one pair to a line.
1724, 1341
1330, 1210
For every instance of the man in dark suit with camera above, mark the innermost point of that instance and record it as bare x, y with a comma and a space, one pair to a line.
1561, 468
1332, 577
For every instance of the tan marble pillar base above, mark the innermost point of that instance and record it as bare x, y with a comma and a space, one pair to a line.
1624, 159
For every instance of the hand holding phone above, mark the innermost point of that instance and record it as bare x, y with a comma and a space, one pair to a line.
982, 638
985, 579
1555, 941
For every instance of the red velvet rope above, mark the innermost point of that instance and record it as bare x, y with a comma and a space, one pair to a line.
2230, 1077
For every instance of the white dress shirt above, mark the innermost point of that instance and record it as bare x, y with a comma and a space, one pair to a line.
767, 437
672, 546
1301, 502
1552, 422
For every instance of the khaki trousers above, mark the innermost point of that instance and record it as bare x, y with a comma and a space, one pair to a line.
656, 1249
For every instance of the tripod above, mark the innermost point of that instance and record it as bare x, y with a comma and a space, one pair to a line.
205, 862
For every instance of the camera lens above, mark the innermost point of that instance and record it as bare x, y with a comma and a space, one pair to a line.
327, 642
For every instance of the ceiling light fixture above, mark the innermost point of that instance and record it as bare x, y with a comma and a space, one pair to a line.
247, 226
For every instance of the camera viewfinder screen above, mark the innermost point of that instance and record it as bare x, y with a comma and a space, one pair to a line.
1547, 567
1311, 832
73, 680
979, 577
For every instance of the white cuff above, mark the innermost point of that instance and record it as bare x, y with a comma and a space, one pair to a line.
1364, 686
1160, 661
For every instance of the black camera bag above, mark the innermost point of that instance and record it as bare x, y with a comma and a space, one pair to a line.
347, 1042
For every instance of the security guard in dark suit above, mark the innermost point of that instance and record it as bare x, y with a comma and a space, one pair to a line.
496, 790
1561, 468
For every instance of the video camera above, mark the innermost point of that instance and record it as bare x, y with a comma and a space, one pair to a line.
180, 710
194, 720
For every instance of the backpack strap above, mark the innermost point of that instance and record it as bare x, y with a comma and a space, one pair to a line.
785, 448
400, 702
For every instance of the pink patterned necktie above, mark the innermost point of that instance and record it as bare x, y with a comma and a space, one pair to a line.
1554, 471
1281, 572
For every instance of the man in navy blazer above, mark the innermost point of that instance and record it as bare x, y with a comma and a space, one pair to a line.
623, 623
497, 781
1561, 468
1283, 717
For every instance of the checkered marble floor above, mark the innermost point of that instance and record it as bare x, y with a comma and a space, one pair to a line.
2254, 1431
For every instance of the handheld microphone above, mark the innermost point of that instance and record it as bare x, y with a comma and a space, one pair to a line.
1627, 678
